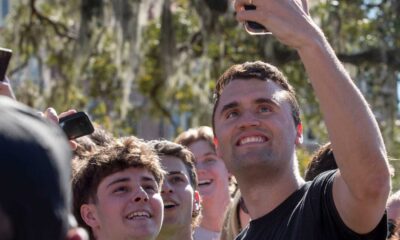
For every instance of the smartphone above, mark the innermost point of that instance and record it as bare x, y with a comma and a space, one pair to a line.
76, 125
5, 56
254, 27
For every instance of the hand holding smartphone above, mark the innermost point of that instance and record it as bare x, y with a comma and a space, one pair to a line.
5, 56
76, 125
254, 28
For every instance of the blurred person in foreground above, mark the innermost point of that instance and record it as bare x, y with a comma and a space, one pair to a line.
34, 176
214, 181
179, 191
257, 125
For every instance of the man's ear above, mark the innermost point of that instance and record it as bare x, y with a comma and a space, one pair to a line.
197, 198
217, 148
299, 134
89, 215
196, 203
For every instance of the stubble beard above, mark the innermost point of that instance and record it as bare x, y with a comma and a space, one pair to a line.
255, 160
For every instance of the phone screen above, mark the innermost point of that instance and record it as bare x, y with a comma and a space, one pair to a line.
5, 56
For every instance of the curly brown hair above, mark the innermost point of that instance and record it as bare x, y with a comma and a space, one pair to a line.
88, 144
117, 156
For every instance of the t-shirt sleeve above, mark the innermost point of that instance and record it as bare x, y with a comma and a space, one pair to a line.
321, 196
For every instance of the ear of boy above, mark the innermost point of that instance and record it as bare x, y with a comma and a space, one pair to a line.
196, 202
299, 134
88, 214
217, 149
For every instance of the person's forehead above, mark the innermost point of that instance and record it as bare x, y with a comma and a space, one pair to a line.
239, 88
130, 174
201, 147
173, 164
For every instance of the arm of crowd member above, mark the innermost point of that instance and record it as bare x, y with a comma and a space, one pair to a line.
52, 115
362, 185
6, 89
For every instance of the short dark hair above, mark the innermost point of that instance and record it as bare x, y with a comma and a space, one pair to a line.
117, 156
322, 160
256, 70
168, 148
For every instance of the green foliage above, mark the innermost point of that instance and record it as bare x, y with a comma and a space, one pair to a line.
84, 53
304, 158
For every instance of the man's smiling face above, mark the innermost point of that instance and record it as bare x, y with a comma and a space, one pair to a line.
254, 126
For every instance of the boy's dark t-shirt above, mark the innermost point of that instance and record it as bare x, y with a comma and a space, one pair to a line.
308, 214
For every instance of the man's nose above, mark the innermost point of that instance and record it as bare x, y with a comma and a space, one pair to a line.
248, 119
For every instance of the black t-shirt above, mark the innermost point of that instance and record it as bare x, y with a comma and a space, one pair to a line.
308, 214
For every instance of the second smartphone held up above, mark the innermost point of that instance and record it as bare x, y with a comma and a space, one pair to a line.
5, 56
76, 125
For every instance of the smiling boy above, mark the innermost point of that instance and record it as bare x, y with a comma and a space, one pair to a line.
179, 191
117, 191
214, 181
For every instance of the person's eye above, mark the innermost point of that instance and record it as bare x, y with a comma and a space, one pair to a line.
177, 179
210, 160
231, 114
150, 188
264, 109
121, 189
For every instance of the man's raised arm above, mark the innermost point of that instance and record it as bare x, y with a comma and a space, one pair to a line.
362, 185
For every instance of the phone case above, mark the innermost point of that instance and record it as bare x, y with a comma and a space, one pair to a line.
5, 56
76, 125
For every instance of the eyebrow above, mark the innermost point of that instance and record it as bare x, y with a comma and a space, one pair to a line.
258, 101
266, 100
127, 179
148, 179
228, 106
118, 180
180, 173
176, 172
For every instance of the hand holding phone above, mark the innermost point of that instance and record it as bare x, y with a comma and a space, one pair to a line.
5, 56
254, 28
76, 125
